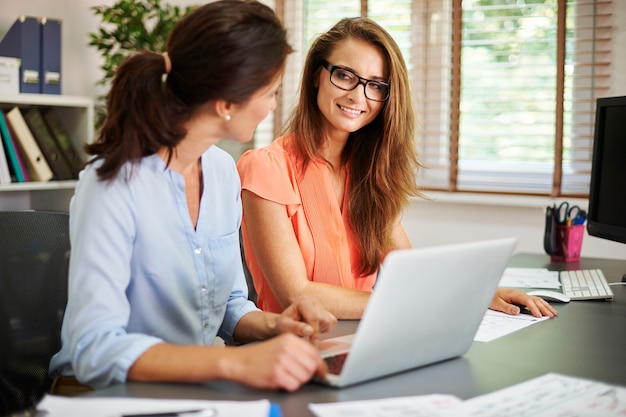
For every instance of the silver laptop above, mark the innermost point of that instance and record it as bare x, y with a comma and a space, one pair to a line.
426, 307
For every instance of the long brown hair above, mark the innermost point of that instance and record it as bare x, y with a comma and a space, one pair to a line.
381, 156
226, 50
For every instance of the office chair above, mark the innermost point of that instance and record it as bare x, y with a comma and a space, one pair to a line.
252, 294
34, 262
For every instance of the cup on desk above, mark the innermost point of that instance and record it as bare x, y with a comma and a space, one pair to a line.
569, 241
565, 228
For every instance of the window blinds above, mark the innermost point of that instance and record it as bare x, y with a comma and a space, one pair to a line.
504, 91
523, 79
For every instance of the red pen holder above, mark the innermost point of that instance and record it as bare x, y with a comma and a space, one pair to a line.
569, 241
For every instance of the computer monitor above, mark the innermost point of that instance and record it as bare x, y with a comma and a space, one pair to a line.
607, 193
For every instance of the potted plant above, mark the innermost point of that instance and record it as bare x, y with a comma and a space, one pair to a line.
128, 26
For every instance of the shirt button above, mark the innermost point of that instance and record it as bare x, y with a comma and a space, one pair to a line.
198, 251
204, 288
206, 325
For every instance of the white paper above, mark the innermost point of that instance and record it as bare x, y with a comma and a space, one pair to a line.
496, 324
419, 406
530, 278
551, 395
57, 406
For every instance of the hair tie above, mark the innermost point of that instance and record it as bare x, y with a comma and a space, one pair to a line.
168, 62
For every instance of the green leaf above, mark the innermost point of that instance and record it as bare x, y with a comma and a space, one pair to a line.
128, 26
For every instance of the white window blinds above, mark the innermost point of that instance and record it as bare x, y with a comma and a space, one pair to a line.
504, 90
523, 81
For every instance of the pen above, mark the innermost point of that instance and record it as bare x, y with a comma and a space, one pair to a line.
580, 218
206, 412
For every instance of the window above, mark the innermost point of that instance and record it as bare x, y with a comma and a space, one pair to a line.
505, 90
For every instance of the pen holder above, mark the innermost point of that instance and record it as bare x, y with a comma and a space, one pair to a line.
569, 241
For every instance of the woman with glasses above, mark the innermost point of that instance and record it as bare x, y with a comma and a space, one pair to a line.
323, 203
155, 270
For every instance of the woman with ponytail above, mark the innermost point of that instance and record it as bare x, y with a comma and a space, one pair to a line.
155, 269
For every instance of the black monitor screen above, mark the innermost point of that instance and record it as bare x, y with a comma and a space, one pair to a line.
607, 194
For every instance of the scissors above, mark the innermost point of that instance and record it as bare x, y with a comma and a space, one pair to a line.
570, 215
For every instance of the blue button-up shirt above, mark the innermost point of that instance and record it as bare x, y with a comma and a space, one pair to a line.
140, 274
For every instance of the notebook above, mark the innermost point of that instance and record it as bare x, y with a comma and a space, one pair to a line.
426, 307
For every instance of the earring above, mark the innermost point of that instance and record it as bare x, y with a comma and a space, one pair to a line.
227, 117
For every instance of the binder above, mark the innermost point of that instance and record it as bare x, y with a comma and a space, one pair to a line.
13, 155
5, 174
48, 144
36, 165
50, 72
68, 150
23, 41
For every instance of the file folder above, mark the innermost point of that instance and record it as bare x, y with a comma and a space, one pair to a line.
23, 41
50, 56
48, 144
72, 156
36, 164
13, 155
5, 174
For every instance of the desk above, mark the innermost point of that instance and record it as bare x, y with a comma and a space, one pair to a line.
587, 340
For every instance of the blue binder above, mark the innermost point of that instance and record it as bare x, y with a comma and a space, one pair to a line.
23, 41
50, 56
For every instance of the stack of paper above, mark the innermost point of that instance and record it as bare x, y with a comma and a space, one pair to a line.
530, 278
546, 396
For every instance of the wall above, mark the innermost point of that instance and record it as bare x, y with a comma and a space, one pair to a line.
458, 217
445, 219
79, 61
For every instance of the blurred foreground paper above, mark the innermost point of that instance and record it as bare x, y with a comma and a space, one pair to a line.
57, 406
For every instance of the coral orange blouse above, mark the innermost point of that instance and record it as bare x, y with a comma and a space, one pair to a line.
322, 230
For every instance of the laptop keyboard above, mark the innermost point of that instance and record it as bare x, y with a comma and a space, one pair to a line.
335, 363
585, 284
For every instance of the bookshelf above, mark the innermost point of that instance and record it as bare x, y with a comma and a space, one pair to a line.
77, 117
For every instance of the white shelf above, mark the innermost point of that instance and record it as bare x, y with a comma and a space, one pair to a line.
38, 186
77, 116
51, 100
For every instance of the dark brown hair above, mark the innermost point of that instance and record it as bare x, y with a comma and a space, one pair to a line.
226, 50
381, 156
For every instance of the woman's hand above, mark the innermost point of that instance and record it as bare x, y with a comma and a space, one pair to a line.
282, 362
508, 301
305, 318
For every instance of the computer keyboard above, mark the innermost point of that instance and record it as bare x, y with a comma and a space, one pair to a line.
585, 284
335, 363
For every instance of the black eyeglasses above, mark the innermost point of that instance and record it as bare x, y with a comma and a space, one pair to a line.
347, 80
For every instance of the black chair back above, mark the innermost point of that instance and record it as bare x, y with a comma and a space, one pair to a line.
34, 262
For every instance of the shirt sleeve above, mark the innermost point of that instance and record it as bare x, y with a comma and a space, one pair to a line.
270, 174
100, 349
